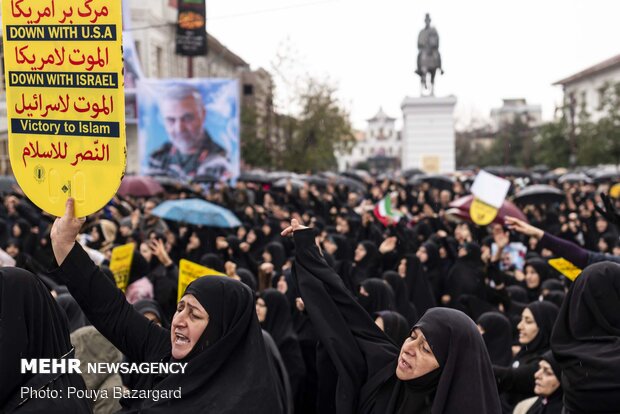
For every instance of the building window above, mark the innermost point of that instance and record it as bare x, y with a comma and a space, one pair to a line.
584, 100
137, 46
248, 89
159, 62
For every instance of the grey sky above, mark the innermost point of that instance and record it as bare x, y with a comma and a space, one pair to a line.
491, 49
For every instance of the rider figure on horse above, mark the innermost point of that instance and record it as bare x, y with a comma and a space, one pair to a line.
429, 59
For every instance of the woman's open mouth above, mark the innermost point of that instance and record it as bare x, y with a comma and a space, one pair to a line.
180, 339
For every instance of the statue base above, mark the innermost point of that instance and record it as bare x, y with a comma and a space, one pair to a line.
428, 134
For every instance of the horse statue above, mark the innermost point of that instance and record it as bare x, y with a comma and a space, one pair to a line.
429, 59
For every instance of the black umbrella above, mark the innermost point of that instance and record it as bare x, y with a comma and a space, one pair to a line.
439, 181
411, 172
316, 180
575, 178
359, 175
351, 184
255, 177
277, 175
540, 169
550, 176
539, 194
507, 171
386, 176
607, 177
171, 184
295, 183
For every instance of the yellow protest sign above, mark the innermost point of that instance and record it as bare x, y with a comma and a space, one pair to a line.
190, 271
482, 213
63, 67
120, 264
565, 267
614, 191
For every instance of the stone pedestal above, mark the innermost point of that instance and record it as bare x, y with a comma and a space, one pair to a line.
428, 134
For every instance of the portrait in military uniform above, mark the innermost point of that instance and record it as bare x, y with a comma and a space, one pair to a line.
189, 129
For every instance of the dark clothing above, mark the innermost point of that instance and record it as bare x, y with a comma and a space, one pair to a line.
497, 337
279, 324
369, 266
466, 276
379, 296
549, 405
586, 341
285, 394
518, 381
227, 371
418, 286
575, 254
553, 403
74, 313
401, 297
32, 325
395, 326
365, 358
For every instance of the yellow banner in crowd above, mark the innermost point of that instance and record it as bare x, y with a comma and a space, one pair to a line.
481, 213
120, 264
565, 267
190, 271
65, 100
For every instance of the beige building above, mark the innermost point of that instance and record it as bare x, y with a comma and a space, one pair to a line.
583, 90
380, 140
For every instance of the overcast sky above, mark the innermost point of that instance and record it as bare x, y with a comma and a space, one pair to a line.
491, 49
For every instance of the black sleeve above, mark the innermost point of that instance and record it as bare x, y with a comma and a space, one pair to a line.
357, 347
165, 283
405, 244
516, 380
106, 308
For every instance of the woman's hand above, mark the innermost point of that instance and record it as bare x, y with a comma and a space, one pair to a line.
388, 245
64, 232
159, 250
522, 227
295, 225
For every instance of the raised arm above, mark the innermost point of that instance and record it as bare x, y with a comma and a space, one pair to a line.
570, 251
344, 327
102, 302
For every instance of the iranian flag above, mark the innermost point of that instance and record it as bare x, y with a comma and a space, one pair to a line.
384, 211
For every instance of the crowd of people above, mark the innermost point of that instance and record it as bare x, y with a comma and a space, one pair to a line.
324, 309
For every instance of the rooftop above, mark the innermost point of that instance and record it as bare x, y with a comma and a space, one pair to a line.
608, 64
381, 116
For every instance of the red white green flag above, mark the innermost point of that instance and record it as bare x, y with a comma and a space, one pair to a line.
385, 212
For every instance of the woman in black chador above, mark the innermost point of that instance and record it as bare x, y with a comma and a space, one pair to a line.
586, 341
214, 330
33, 326
442, 367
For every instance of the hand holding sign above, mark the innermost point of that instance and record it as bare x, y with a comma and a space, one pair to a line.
65, 231
65, 101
